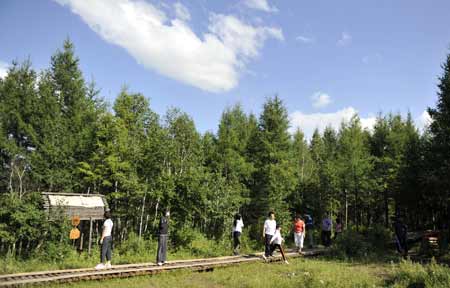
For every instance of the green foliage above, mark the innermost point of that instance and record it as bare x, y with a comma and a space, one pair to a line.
56, 134
409, 274
351, 244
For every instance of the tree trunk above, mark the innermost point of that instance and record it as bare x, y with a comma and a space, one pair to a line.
386, 208
142, 215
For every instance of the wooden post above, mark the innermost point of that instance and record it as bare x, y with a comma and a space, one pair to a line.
90, 235
81, 242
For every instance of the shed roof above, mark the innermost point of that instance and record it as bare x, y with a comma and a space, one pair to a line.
85, 206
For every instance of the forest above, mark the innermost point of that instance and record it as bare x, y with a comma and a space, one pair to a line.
58, 134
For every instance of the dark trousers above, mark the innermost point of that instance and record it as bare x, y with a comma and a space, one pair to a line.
268, 250
275, 246
236, 242
402, 246
106, 249
162, 249
326, 238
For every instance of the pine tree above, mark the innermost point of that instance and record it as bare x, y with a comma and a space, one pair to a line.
274, 179
440, 145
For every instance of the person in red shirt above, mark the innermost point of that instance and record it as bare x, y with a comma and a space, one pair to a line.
299, 232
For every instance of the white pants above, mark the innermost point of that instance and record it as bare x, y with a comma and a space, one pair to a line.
299, 237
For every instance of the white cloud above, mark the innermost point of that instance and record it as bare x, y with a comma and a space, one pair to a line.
3, 69
423, 121
309, 122
262, 5
304, 39
345, 39
182, 12
320, 100
211, 62
371, 58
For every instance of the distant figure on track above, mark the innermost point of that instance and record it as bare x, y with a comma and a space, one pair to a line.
276, 242
310, 227
106, 242
268, 231
326, 230
237, 231
162, 239
299, 232
401, 231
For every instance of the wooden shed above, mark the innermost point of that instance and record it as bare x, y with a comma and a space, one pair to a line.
85, 206
90, 207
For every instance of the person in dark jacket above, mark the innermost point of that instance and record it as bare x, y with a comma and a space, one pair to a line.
401, 231
162, 238
309, 227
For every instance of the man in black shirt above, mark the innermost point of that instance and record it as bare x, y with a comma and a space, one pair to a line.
162, 240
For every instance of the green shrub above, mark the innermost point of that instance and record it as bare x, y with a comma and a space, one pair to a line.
350, 244
379, 237
408, 274
182, 238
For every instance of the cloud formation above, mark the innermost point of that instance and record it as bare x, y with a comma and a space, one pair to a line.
3, 69
345, 39
305, 40
261, 5
212, 62
423, 121
320, 100
182, 12
309, 122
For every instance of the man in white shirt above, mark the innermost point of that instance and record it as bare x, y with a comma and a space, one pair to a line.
268, 231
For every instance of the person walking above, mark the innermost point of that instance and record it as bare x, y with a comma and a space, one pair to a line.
106, 243
310, 227
276, 242
299, 233
162, 239
237, 231
401, 232
268, 231
326, 230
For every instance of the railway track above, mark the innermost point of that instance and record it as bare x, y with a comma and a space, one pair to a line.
129, 270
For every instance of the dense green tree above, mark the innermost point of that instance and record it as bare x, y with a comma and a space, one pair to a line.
274, 177
354, 167
440, 147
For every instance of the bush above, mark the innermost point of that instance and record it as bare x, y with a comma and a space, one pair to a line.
350, 244
408, 274
379, 238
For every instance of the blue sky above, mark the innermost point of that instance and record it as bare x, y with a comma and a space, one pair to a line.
325, 59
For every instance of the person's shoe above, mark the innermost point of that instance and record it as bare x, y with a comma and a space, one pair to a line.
285, 261
264, 257
160, 264
108, 266
100, 266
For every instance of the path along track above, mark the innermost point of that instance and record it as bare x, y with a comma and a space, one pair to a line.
129, 270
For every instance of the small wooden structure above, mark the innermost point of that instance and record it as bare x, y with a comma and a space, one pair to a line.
89, 207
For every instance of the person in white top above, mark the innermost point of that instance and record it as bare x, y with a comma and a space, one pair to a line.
106, 242
276, 242
237, 231
326, 230
268, 231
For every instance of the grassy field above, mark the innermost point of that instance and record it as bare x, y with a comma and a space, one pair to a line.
299, 273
